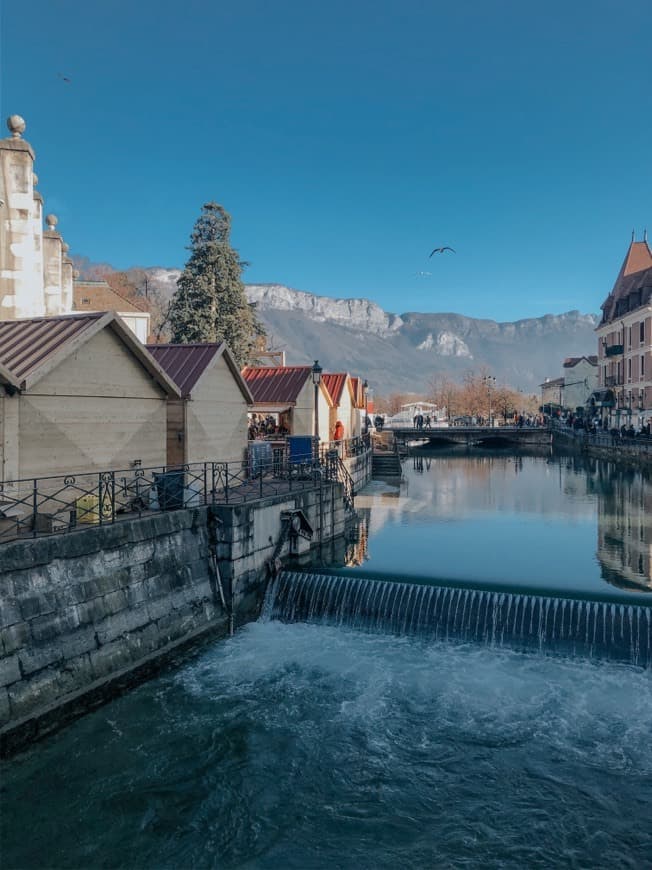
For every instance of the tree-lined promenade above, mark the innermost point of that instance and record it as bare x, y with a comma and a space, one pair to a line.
479, 395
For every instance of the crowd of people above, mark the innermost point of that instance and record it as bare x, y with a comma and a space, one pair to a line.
593, 425
265, 427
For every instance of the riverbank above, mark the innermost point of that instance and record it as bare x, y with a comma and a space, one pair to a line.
84, 615
603, 445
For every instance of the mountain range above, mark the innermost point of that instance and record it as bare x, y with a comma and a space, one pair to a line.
404, 352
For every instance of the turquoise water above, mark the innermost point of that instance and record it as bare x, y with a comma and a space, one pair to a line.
306, 746
312, 746
559, 523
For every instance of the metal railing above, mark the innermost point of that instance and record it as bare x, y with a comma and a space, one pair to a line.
58, 504
346, 448
336, 470
639, 444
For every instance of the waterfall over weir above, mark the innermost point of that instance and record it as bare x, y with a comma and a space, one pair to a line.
569, 626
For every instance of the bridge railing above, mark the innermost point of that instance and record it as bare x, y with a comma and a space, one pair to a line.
439, 425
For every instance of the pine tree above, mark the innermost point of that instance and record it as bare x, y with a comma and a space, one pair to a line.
210, 302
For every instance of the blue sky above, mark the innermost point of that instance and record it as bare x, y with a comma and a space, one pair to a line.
348, 139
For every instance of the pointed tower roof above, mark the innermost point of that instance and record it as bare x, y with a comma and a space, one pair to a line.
638, 258
635, 274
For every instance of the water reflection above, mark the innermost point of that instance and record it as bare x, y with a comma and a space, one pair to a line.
520, 519
625, 528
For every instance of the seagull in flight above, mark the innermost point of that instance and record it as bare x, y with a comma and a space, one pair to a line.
422, 274
441, 250
64, 78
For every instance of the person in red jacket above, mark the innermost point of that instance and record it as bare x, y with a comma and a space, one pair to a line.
339, 431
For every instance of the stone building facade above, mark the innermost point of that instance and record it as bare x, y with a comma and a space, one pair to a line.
625, 340
580, 380
36, 274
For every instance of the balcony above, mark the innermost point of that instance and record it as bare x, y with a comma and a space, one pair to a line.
614, 350
613, 381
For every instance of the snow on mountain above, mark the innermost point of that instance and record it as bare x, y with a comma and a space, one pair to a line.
404, 352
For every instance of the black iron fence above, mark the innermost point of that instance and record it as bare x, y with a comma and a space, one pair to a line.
639, 445
346, 448
52, 505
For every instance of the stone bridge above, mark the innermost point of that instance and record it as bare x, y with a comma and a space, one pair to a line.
476, 436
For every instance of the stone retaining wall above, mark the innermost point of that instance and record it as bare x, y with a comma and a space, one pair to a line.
86, 613
359, 467
624, 451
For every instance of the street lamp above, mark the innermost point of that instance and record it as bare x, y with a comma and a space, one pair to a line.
365, 387
488, 380
316, 379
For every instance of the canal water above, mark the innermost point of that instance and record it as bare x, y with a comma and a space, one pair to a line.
550, 522
308, 745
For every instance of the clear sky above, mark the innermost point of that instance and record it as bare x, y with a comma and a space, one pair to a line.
348, 139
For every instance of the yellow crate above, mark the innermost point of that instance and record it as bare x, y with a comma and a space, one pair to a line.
87, 509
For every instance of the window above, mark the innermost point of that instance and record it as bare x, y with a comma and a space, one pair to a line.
629, 370
642, 368
641, 332
86, 301
629, 337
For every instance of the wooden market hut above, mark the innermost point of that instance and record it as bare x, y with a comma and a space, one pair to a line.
345, 404
78, 393
289, 392
209, 422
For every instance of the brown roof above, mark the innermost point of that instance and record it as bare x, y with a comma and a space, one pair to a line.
277, 384
635, 275
27, 344
186, 363
356, 386
571, 361
334, 383
102, 297
30, 348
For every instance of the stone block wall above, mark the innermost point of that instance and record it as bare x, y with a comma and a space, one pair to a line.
85, 614
248, 536
80, 609
359, 467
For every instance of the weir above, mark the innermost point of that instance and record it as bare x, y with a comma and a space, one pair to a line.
550, 623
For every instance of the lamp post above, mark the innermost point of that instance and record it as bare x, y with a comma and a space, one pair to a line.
365, 387
316, 379
488, 380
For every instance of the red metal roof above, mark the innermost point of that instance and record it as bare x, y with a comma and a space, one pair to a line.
334, 383
27, 344
276, 383
185, 363
355, 386
635, 274
358, 391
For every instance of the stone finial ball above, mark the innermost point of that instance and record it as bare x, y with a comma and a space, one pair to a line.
16, 125
76, 273
34, 179
51, 220
65, 247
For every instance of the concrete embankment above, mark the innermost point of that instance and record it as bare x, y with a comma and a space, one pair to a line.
603, 446
85, 614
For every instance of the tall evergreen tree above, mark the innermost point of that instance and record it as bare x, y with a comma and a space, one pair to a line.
210, 302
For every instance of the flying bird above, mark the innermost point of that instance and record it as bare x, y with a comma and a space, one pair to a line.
422, 274
441, 250
64, 78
